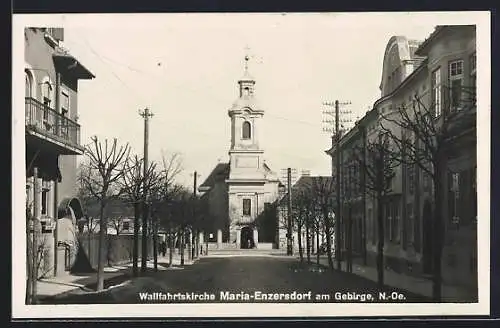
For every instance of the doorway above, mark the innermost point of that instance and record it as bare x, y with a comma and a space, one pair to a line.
247, 241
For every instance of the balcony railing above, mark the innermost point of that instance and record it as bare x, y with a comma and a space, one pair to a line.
49, 122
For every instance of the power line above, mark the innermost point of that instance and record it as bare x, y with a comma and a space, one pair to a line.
190, 89
111, 70
100, 57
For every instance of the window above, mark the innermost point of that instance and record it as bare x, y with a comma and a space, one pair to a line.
411, 224
46, 93
64, 102
372, 226
473, 70
27, 84
455, 82
46, 99
411, 178
436, 91
247, 203
45, 193
246, 91
126, 225
393, 218
246, 130
425, 181
473, 61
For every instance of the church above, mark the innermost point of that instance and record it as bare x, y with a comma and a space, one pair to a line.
239, 195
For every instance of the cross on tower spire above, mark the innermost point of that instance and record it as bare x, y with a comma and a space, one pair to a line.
247, 57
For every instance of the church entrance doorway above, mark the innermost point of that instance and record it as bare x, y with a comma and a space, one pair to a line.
247, 238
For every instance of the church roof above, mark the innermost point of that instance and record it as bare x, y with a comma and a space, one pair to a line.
219, 173
247, 77
246, 102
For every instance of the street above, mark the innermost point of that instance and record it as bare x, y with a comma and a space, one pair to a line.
243, 279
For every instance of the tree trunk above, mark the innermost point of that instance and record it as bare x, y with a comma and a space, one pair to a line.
189, 244
144, 249
197, 243
317, 245
328, 230
299, 240
181, 245
380, 244
171, 243
155, 243
308, 241
89, 246
102, 249
135, 260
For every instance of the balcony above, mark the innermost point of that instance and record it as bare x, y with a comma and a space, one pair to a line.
51, 130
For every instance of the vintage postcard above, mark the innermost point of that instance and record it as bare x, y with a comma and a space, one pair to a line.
251, 165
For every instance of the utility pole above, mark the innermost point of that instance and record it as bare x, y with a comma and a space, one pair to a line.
337, 135
146, 114
289, 250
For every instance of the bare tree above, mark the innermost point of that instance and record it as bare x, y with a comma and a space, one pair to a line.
423, 135
182, 217
172, 167
302, 207
376, 161
132, 184
99, 176
161, 189
323, 189
116, 222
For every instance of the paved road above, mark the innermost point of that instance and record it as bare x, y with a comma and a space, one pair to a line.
240, 279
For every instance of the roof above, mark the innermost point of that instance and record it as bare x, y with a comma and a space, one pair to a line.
72, 65
219, 173
246, 102
422, 49
305, 182
246, 77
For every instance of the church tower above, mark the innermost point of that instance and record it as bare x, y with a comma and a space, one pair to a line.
246, 157
239, 194
249, 182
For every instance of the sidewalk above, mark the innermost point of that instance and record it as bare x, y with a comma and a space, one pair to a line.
417, 285
67, 282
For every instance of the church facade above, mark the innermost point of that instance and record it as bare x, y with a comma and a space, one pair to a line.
238, 195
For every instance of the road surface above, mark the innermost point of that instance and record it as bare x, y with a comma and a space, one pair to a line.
244, 279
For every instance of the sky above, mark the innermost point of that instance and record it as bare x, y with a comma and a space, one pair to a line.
185, 67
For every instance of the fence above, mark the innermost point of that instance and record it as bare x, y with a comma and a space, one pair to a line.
119, 248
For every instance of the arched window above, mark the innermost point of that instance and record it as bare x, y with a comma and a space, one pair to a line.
28, 83
246, 130
246, 91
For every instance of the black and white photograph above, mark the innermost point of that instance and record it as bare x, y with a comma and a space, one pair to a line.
251, 164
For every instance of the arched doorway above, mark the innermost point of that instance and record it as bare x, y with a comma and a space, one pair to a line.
247, 238
427, 237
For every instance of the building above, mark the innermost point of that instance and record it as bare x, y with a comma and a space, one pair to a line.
239, 192
438, 75
52, 139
